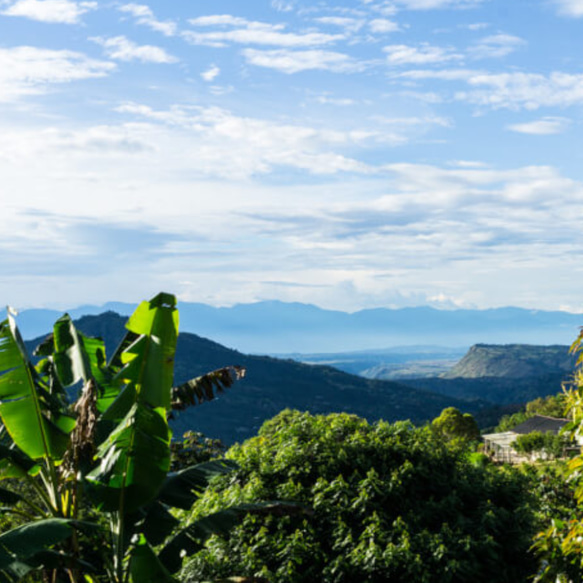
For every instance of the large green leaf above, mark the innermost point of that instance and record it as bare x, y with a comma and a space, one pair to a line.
70, 357
192, 538
80, 358
30, 419
182, 488
149, 361
134, 461
13, 462
135, 456
19, 546
158, 523
145, 567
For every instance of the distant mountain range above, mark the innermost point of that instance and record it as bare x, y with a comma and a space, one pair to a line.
276, 327
273, 384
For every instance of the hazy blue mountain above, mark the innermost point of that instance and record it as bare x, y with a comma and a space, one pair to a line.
277, 327
273, 384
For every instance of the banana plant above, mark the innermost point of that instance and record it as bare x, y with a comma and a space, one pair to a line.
94, 491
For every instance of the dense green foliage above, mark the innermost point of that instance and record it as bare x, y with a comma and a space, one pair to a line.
453, 425
383, 503
560, 545
194, 448
547, 444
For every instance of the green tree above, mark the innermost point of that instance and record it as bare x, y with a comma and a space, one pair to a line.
560, 545
389, 502
549, 444
452, 425
97, 470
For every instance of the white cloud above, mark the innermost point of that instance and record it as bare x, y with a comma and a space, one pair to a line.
252, 33
283, 5
542, 127
476, 26
339, 101
96, 140
440, 74
383, 25
415, 121
52, 11
348, 24
228, 20
296, 61
144, 16
123, 49
525, 90
30, 70
177, 173
570, 7
495, 46
259, 146
514, 90
433, 4
468, 164
211, 73
425, 54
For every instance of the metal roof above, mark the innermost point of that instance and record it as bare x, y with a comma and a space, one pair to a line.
542, 424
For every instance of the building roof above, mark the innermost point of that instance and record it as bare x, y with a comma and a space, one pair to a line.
542, 424
504, 440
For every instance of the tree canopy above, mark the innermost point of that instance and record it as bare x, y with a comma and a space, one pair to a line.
383, 502
453, 425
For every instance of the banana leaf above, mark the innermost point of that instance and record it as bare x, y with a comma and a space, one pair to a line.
25, 408
13, 462
158, 523
19, 547
181, 489
145, 567
134, 461
80, 358
135, 457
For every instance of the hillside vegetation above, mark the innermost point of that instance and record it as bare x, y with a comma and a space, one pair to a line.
386, 503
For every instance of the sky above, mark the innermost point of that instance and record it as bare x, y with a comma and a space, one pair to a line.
350, 154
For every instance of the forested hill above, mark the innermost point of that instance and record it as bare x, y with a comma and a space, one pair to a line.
272, 385
504, 374
512, 361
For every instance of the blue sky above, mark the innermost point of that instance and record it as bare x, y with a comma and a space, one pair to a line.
349, 154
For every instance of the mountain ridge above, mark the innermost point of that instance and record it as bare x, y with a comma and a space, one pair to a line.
278, 327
